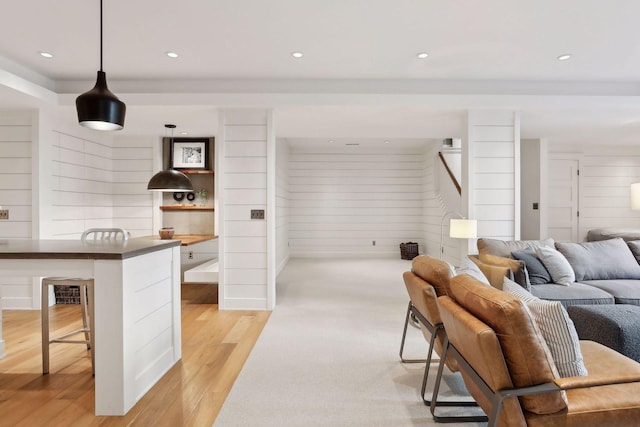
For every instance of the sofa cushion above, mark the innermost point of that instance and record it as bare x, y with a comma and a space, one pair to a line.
624, 291
601, 260
517, 267
611, 233
557, 328
504, 248
469, 267
558, 266
538, 273
576, 294
525, 351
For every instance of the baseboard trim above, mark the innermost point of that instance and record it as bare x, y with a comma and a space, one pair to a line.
282, 265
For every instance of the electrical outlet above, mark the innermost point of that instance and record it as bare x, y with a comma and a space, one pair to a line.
373, 243
190, 255
257, 213
4, 213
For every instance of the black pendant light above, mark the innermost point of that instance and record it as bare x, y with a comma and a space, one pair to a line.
170, 180
99, 108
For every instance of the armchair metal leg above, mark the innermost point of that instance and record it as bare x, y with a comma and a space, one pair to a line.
434, 399
404, 335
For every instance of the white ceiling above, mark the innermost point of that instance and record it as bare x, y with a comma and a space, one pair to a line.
359, 78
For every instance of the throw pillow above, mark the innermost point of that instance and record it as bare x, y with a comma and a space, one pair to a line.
538, 273
634, 245
469, 267
558, 266
517, 267
494, 273
601, 260
557, 328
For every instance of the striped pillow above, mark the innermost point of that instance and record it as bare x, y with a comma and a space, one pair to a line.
557, 329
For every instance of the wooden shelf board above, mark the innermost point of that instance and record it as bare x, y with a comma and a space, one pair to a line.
190, 239
186, 208
196, 171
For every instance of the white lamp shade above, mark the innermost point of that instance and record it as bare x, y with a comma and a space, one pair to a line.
463, 228
635, 196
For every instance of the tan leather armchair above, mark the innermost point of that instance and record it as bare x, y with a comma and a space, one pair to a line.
428, 278
508, 369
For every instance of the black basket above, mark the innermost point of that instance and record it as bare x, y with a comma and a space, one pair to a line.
408, 250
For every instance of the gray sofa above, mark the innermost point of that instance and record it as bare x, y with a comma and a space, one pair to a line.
606, 271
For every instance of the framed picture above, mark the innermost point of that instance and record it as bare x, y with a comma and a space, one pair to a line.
190, 154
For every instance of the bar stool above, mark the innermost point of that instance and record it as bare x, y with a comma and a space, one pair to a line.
86, 301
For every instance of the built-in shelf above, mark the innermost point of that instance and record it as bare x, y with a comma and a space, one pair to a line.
186, 208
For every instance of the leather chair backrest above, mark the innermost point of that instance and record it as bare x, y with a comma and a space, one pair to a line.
424, 299
479, 346
434, 271
524, 349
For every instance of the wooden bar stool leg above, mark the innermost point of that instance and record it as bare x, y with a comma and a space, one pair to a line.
44, 309
92, 326
85, 314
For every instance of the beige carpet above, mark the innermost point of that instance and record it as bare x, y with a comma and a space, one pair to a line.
328, 355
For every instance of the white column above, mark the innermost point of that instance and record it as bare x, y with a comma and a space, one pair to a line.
245, 181
491, 173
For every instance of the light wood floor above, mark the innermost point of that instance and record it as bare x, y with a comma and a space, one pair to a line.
215, 345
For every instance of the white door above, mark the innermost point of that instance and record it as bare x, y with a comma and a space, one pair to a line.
563, 199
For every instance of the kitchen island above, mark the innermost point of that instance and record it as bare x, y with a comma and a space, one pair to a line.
137, 306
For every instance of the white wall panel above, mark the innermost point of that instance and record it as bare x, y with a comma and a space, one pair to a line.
243, 157
341, 201
16, 150
492, 144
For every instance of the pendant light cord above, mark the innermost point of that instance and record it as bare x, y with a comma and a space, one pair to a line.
100, 35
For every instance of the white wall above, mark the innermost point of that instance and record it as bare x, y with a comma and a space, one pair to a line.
132, 168
82, 185
344, 198
283, 201
530, 189
606, 172
16, 147
491, 172
243, 156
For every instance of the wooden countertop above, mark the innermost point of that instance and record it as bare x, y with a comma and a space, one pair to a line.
77, 249
190, 239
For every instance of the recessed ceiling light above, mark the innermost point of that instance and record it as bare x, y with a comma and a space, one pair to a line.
422, 55
46, 55
386, 142
564, 57
184, 133
297, 54
171, 54
331, 141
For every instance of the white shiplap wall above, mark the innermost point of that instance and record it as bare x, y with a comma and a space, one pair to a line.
283, 201
16, 148
132, 169
492, 145
82, 185
606, 173
344, 198
242, 156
